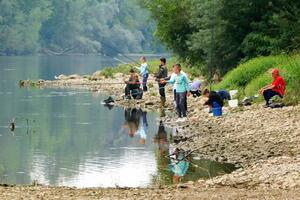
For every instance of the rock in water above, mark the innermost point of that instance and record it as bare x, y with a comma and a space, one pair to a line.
109, 100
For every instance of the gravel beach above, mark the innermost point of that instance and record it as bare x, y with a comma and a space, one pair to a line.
264, 142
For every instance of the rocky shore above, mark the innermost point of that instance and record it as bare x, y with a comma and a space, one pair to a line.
264, 142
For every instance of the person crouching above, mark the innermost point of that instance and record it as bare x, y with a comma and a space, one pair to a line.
277, 88
214, 99
133, 86
182, 91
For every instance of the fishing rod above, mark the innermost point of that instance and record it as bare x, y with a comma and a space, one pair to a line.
121, 61
117, 51
117, 59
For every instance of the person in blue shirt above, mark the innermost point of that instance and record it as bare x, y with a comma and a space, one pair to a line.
144, 72
224, 94
214, 99
179, 166
182, 91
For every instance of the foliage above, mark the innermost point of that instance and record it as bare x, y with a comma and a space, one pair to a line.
75, 26
153, 68
254, 74
246, 72
221, 34
20, 24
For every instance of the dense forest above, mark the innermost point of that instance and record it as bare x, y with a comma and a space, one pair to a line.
222, 33
74, 26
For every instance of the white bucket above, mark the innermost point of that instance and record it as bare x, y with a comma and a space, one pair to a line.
233, 103
233, 93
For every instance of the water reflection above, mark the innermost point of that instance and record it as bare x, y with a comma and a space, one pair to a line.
136, 123
64, 137
176, 165
161, 138
179, 165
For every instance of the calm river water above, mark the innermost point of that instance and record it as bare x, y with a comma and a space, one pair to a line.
67, 138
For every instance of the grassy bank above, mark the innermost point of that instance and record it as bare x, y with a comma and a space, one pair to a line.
249, 77
153, 68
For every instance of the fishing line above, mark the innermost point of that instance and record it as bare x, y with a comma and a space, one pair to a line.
119, 52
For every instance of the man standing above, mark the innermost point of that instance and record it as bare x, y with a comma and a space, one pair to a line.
277, 88
162, 74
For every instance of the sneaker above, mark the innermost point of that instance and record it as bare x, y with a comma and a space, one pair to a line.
184, 119
266, 106
179, 120
109, 100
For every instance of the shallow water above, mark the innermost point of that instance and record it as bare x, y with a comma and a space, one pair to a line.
66, 137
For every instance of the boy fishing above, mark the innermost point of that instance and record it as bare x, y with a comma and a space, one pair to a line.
182, 91
162, 74
144, 72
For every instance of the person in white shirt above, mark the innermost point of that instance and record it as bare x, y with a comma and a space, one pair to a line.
144, 72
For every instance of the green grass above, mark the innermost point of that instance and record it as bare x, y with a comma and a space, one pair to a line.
153, 68
249, 77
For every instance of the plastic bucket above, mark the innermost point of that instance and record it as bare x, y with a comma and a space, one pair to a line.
217, 112
233, 93
233, 103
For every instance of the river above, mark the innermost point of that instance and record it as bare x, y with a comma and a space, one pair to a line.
68, 138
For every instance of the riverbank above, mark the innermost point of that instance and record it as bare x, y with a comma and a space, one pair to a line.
264, 142
176, 192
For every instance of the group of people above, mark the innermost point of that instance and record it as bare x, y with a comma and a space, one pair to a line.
182, 87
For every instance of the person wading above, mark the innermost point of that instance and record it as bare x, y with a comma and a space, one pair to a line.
162, 74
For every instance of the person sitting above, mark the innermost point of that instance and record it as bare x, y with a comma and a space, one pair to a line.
277, 88
133, 86
195, 89
224, 94
214, 99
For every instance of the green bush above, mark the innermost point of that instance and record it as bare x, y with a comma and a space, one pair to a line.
253, 75
153, 68
246, 72
254, 86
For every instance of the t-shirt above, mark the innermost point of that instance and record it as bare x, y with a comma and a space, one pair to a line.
181, 81
224, 94
195, 86
279, 84
173, 76
214, 97
162, 73
144, 69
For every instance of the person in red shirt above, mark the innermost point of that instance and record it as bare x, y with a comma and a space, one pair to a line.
277, 88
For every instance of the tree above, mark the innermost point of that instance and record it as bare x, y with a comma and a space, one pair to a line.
221, 33
74, 26
20, 24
